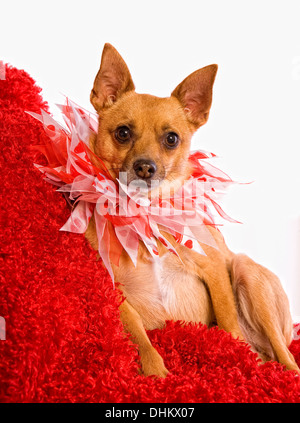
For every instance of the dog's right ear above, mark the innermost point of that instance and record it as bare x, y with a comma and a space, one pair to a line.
112, 80
195, 94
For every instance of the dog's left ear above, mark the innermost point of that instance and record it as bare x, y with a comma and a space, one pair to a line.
112, 80
195, 94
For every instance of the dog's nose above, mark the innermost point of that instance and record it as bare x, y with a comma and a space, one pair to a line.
144, 169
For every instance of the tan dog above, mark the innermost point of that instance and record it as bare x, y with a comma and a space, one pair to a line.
149, 137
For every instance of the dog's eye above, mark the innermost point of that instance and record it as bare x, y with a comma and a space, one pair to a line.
171, 140
123, 134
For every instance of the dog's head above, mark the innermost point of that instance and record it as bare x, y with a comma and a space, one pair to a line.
146, 136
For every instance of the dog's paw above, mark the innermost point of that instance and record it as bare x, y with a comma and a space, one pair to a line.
153, 364
236, 333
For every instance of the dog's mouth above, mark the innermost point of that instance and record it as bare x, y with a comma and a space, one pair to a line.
141, 186
140, 190
143, 176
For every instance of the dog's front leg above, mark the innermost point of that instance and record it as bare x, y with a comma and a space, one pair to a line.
218, 282
152, 362
212, 269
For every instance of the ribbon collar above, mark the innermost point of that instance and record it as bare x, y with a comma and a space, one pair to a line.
124, 218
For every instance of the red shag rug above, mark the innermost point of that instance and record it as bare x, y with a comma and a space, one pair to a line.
64, 340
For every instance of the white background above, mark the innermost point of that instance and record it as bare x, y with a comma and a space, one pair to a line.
254, 123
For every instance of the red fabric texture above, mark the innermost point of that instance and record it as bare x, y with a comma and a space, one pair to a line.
64, 339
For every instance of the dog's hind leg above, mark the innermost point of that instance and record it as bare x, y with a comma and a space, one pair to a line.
263, 310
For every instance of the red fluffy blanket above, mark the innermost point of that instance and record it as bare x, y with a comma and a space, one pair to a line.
64, 339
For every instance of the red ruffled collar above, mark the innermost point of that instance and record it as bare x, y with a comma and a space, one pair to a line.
123, 218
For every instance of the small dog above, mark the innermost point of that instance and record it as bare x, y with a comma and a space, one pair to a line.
149, 137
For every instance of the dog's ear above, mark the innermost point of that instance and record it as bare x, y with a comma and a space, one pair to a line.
112, 80
195, 94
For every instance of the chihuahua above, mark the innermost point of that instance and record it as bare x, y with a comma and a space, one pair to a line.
149, 138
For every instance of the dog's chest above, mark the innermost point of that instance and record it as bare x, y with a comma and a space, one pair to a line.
163, 290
